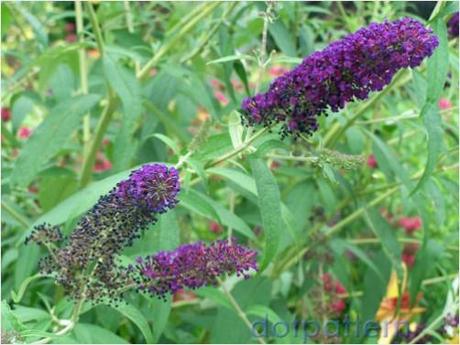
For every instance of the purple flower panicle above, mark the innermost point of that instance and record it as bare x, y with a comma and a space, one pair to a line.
347, 69
117, 219
153, 187
452, 25
192, 266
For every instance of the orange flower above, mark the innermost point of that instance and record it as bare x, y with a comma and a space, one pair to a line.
391, 319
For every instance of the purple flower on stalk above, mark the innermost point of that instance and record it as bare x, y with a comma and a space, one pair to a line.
346, 70
117, 219
192, 266
452, 25
153, 187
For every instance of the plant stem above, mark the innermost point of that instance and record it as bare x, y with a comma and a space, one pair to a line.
130, 26
336, 131
263, 46
241, 148
22, 220
336, 228
96, 28
232, 210
90, 158
83, 73
210, 34
310, 159
238, 309
207, 9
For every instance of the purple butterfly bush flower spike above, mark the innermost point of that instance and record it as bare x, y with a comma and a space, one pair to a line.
191, 266
346, 70
452, 25
104, 231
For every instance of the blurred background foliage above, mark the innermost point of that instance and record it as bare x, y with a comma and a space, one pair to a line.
92, 90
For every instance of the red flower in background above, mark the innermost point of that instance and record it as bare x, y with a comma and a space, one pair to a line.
71, 38
410, 224
6, 114
221, 97
277, 71
102, 163
24, 132
215, 227
372, 162
408, 254
338, 306
444, 104
70, 27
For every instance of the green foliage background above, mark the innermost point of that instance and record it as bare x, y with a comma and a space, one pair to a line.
136, 86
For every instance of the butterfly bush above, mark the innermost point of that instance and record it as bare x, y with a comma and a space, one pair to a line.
86, 264
346, 70
117, 219
191, 266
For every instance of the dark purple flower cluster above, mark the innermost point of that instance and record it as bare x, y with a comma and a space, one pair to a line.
452, 25
347, 69
86, 264
45, 234
192, 266
153, 187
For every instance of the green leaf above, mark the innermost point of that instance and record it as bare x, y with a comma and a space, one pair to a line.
241, 72
56, 185
127, 87
231, 58
193, 201
22, 288
138, 319
387, 236
52, 134
6, 18
283, 38
10, 322
425, 261
238, 177
215, 295
340, 246
270, 209
263, 312
438, 66
26, 264
388, 161
38, 28
87, 333
166, 238
170, 143
26, 314
374, 289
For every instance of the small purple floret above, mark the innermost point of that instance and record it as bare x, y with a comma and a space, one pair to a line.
192, 266
346, 70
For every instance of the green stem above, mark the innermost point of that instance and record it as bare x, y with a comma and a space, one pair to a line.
336, 131
96, 28
238, 309
310, 159
239, 149
207, 9
83, 74
210, 34
335, 229
23, 221
96, 142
